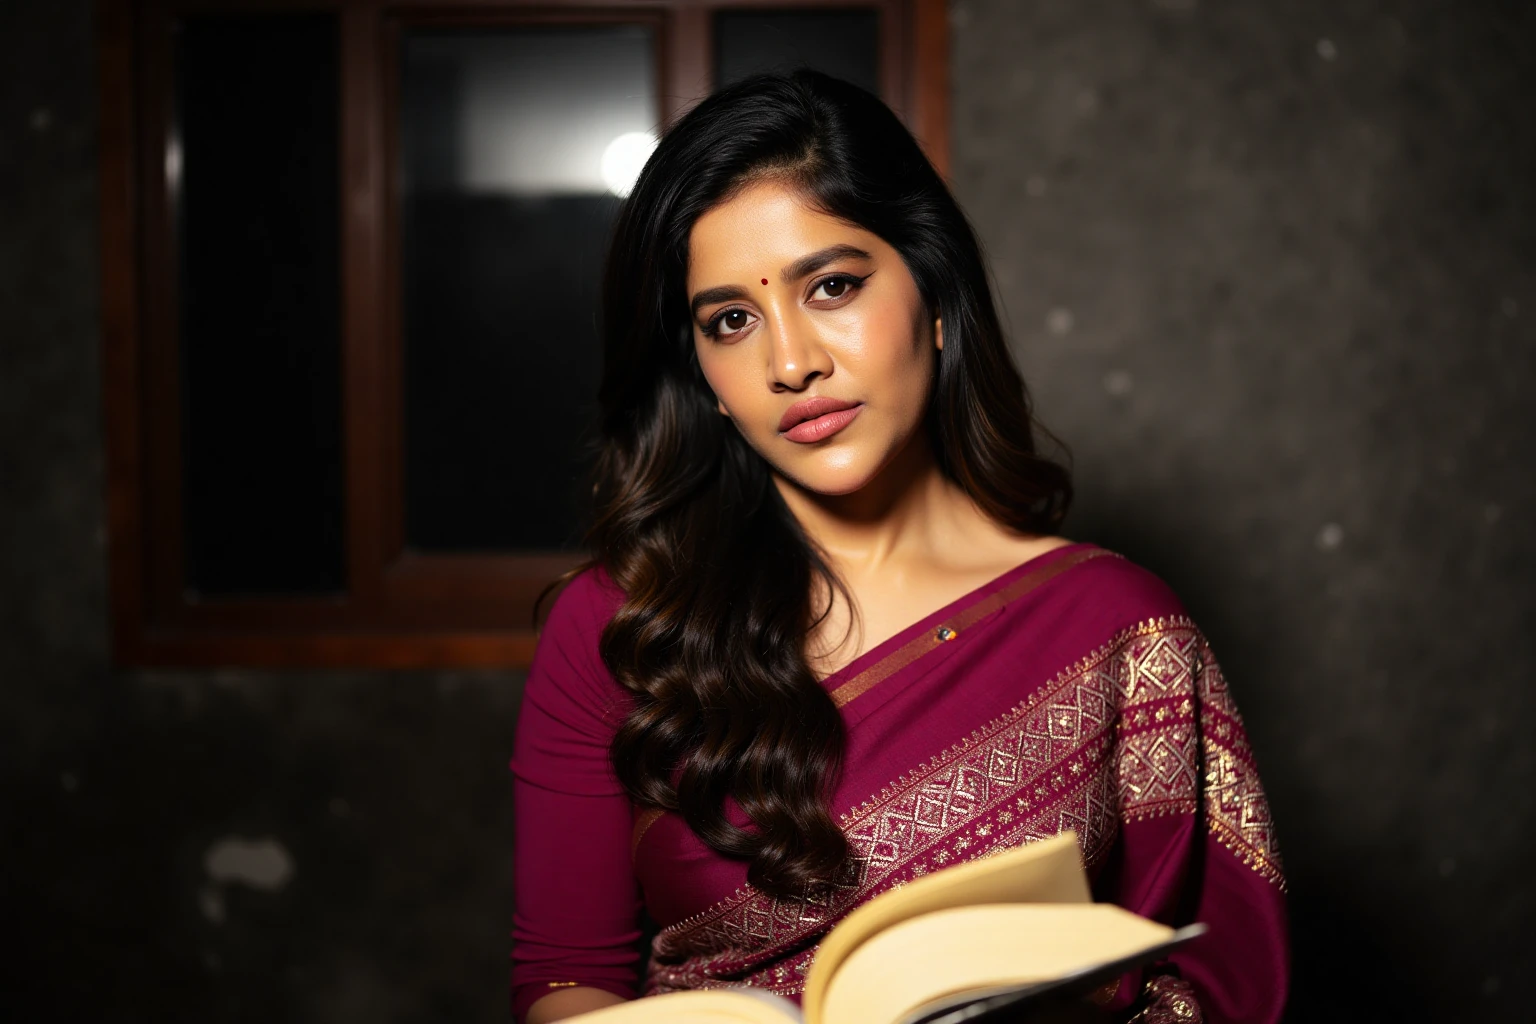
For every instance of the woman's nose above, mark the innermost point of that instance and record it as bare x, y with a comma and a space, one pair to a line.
796, 356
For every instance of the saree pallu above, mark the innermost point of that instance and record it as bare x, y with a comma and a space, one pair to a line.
1071, 693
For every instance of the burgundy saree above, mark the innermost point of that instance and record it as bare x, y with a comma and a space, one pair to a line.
1070, 693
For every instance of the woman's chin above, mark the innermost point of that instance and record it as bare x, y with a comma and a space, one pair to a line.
829, 481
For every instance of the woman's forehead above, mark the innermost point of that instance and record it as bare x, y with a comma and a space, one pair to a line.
762, 229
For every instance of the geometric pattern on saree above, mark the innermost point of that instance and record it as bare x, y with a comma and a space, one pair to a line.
1180, 727
1114, 736
1167, 1000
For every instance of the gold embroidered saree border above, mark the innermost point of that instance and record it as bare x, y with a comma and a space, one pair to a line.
918, 646
1168, 1000
1167, 752
1113, 737
1026, 775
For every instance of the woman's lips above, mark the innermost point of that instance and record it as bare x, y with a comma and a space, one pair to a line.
817, 419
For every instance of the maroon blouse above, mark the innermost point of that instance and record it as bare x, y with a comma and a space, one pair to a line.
1070, 693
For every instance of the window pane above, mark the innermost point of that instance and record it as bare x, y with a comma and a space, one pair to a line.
514, 147
253, 169
844, 44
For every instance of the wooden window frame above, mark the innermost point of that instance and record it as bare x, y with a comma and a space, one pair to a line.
401, 609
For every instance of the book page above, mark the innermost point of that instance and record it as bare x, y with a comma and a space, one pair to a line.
978, 948
706, 1006
1047, 871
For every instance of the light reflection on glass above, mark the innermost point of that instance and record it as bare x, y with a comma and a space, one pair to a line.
624, 159
532, 111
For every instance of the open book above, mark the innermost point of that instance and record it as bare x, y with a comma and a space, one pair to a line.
1008, 931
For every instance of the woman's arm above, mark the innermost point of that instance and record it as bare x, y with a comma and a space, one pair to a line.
1196, 839
577, 918
576, 924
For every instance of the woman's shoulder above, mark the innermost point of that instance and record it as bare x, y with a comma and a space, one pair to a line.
571, 704
569, 647
586, 602
1113, 591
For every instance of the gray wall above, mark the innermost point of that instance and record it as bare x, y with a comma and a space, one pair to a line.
1275, 292
208, 847
1296, 247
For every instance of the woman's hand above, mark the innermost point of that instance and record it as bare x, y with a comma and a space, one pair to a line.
569, 1002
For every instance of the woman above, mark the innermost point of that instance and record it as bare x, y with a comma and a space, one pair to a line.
829, 641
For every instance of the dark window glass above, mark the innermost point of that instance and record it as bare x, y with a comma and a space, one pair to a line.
844, 44
252, 166
515, 148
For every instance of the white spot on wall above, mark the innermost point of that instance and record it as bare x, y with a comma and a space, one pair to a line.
1059, 320
1035, 186
1326, 49
1118, 383
41, 119
173, 162
1087, 102
1492, 513
210, 900
261, 863
1509, 307
1330, 537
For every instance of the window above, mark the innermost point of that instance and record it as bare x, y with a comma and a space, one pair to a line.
350, 265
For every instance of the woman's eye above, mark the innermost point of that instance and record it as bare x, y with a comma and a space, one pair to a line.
732, 321
834, 288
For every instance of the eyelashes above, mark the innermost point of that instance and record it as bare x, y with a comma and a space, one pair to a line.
712, 328
847, 285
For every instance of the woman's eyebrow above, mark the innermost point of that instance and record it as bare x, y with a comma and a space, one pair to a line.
721, 293
813, 262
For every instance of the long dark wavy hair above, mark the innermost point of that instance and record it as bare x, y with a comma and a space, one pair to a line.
720, 582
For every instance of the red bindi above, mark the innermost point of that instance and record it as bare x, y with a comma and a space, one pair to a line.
765, 280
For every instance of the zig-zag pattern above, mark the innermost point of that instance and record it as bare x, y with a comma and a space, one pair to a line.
1113, 737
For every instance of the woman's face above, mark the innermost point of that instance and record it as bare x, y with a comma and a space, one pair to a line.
812, 335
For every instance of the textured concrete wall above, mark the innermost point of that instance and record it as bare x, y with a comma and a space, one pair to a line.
1269, 268
199, 846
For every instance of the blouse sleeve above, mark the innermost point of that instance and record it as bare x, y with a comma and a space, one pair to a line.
576, 920
1196, 841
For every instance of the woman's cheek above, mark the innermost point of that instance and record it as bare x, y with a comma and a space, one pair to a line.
723, 381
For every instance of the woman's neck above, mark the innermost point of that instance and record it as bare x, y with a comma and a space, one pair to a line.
905, 512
